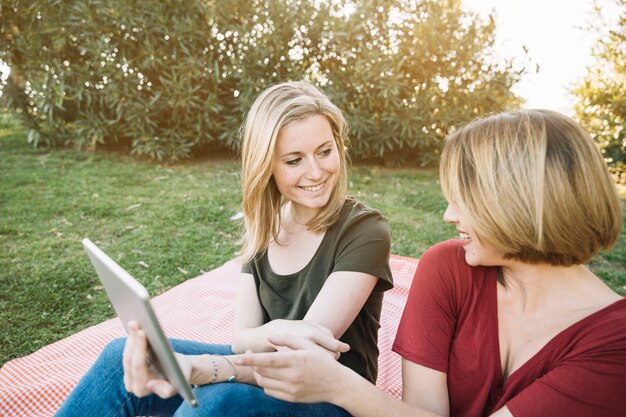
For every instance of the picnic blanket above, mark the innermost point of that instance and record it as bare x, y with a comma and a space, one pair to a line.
202, 309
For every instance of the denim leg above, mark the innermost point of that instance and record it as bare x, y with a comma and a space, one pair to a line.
241, 400
101, 391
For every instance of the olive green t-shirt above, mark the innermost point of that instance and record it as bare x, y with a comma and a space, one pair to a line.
359, 241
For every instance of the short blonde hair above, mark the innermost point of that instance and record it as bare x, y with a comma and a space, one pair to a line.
533, 184
275, 108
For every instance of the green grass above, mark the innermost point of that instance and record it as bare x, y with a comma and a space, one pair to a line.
164, 224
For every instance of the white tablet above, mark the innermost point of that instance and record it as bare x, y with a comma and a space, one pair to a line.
131, 302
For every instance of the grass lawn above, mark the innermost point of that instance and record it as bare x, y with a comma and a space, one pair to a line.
162, 223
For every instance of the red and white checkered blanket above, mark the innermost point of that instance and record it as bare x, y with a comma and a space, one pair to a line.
37, 384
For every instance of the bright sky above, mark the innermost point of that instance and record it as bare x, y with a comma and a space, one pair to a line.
549, 29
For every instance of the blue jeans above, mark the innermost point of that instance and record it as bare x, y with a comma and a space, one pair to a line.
101, 392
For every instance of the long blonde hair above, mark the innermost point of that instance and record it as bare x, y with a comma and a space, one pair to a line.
275, 108
533, 184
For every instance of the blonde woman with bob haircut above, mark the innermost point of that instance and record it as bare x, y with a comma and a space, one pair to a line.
504, 320
315, 264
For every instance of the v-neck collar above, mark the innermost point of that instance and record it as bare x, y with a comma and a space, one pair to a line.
559, 338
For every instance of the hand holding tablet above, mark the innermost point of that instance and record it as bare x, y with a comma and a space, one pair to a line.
142, 376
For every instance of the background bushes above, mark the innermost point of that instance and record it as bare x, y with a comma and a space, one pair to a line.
601, 94
170, 79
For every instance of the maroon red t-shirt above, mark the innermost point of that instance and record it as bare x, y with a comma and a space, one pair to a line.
450, 324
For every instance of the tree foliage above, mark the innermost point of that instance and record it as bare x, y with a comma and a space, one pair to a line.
601, 95
170, 78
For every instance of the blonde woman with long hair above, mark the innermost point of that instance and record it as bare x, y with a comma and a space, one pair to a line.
315, 266
504, 320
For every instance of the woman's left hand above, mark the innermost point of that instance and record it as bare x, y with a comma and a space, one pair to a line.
295, 375
302, 335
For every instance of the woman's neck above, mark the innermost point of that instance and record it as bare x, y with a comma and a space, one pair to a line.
300, 215
533, 287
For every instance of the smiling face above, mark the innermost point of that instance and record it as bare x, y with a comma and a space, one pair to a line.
476, 252
306, 165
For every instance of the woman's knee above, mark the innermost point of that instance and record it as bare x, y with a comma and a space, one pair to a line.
113, 351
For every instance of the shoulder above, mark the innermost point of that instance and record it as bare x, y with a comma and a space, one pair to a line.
450, 247
604, 329
448, 255
357, 217
355, 209
442, 269
360, 241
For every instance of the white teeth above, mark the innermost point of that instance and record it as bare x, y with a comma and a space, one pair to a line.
464, 236
316, 188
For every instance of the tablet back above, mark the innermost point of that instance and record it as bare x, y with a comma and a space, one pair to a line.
131, 302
